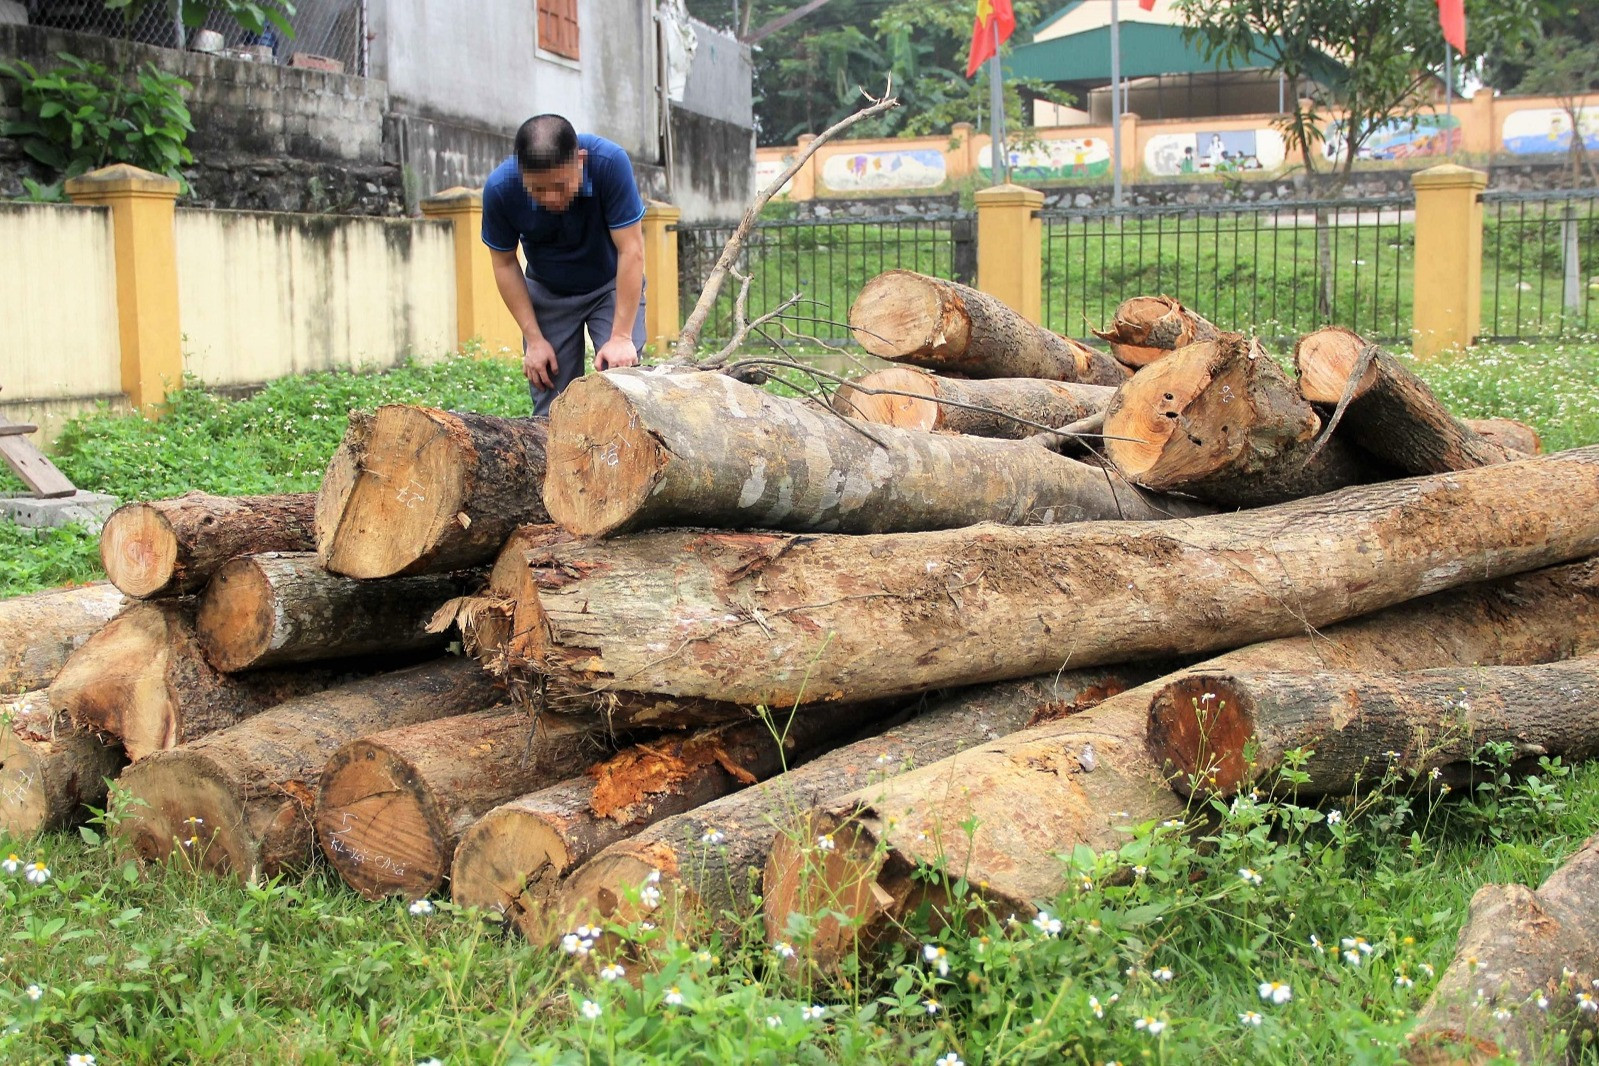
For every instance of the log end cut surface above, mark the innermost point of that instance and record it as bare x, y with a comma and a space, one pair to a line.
117, 683
836, 887
915, 411
24, 803
1200, 727
900, 313
603, 465
138, 549
377, 823
187, 805
1325, 359
1150, 413
236, 620
511, 864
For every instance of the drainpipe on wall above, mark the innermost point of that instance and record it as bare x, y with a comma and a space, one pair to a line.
663, 101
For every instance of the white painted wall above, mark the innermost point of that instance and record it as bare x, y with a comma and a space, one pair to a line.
1092, 14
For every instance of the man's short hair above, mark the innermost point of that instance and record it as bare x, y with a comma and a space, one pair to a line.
545, 142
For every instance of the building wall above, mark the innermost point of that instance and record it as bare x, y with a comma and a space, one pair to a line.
1092, 14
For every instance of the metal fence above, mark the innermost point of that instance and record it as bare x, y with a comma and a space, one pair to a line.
335, 29
1540, 264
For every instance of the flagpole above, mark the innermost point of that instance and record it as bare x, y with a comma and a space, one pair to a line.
1115, 104
996, 117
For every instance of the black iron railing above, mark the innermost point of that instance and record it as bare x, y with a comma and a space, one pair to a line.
1540, 269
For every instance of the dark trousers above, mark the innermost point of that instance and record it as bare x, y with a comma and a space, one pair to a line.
562, 320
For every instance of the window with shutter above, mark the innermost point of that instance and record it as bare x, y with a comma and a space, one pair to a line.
558, 27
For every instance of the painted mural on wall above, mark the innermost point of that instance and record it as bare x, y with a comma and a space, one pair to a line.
898, 170
766, 172
1540, 131
1408, 138
1213, 152
1052, 160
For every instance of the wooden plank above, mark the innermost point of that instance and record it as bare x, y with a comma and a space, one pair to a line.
18, 429
30, 464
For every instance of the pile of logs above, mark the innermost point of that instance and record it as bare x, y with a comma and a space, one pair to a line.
722, 646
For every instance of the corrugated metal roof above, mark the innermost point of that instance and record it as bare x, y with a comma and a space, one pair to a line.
1147, 51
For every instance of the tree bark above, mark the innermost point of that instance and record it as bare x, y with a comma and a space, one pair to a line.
276, 608
1516, 946
1221, 421
640, 450
1042, 403
944, 325
416, 490
514, 860
40, 631
1508, 434
391, 807
50, 770
714, 876
238, 801
1392, 414
1220, 732
1147, 328
171, 547
143, 680
760, 619
1032, 796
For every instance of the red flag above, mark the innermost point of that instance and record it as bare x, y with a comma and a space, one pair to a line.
1452, 17
1147, 5
990, 13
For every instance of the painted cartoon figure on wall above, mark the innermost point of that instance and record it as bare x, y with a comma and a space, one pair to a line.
1409, 138
1547, 130
1213, 152
1055, 159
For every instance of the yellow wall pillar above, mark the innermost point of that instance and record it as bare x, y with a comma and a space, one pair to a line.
143, 209
1010, 248
962, 155
803, 186
480, 313
662, 318
1132, 155
1448, 286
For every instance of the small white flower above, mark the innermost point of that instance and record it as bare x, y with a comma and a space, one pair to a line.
1425, 967
588, 932
711, 836
784, 949
1163, 975
884, 759
430, 1062
704, 956
815, 1012
1140, 871
653, 878
1334, 817
1250, 1017
11, 865
650, 896
34, 992
773, 1021
1502, 1015
1172, 823
674, 997
1586, 1003
1352, 958
38, 873
1390, 755
1434, 774
1152, 1026
590, 1009
1047, 925
573, 944
931, 1004
938, 957
1315, 942
421, 906
951, 1059
612, 972
1403, 981
1094, 1005
1542, 1002
646, 926
824, 842
1249, 876
1275, 991
80, 1059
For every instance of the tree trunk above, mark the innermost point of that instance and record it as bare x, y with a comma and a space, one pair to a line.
243, 795
416, 490
944, 325
1508, 434
639, 450
143, 680
1392, 414
1221, 732
391, 807
756, 619
515, 859
1147, 328
709, 859
50, 770
1221, 421
40, 631
1518, 945
172, 547
271, 609
1033, 796
1041, 403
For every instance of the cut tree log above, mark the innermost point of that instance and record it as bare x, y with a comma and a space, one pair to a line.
1221, 421
416, 490
1392, 414
1508, 434
1147, 328
1220, 732
514, 860
1516, 947
391, 807
761, 619
41, 630
638, 450
1033, 796
238, 801
706, 862
171, 547
51, 771
916, 399
142, 680
276, 608
943, 325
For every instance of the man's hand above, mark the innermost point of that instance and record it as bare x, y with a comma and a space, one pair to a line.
538, 361
618, 351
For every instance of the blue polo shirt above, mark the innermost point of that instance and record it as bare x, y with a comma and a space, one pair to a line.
568, 252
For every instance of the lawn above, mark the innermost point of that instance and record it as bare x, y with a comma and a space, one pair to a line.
1158, 952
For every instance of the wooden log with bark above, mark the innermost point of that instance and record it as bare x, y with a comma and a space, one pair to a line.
1221, 421
514, 860
1219, 732
415, 490
41, 630
1148, 328
916, 399
943, 325
1085, 780
171, 547
754, 619
51, 771
238, 801
143, 680
1525, 974
638, 450
1391, 413
277, 608
391, 807
1508, 433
